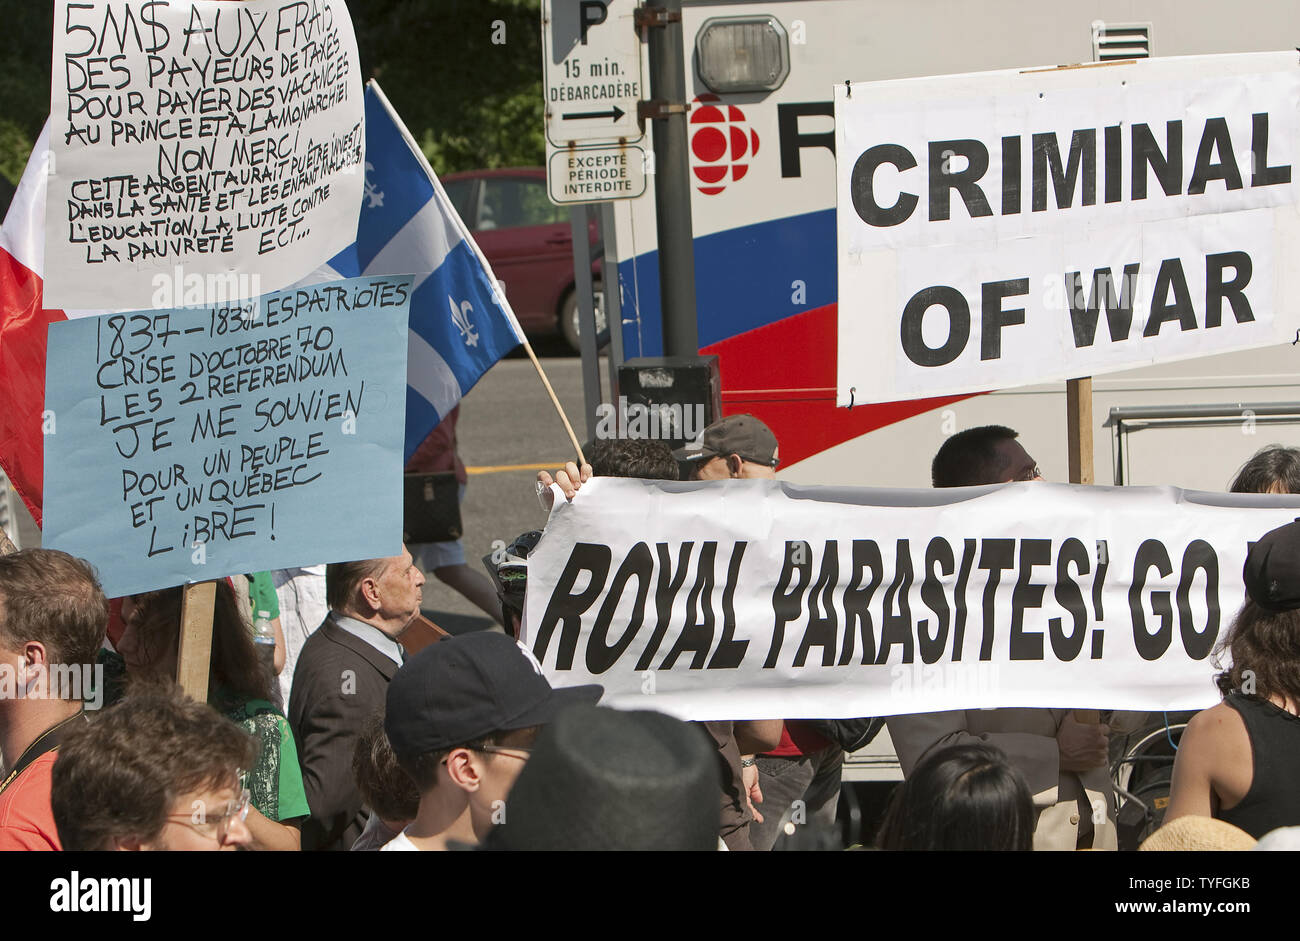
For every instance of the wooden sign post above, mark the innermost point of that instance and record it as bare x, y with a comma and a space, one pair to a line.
1078, 420
197, 606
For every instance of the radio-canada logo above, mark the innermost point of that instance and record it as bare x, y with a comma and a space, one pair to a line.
722, 143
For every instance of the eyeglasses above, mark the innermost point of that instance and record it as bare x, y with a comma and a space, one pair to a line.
221, 823
508, 750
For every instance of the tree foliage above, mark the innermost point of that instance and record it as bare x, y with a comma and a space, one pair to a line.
465, 75
24, 80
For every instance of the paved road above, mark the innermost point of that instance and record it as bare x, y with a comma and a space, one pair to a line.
506, 421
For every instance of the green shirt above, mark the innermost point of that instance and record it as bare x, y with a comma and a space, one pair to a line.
275, 780
261, 595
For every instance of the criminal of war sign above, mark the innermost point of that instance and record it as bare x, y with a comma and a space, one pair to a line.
221, 137
762, 599
1007, 228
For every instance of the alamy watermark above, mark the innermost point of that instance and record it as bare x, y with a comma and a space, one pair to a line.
69, 681
178, 288
78, 893
667, 422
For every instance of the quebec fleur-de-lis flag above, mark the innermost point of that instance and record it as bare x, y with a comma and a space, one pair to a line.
461, 322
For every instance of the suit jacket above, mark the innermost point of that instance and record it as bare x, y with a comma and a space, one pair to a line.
1028, 738
735, 813
339, 682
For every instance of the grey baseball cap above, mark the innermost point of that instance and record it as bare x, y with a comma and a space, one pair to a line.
744, 435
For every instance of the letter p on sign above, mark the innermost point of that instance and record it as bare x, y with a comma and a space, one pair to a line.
591, 13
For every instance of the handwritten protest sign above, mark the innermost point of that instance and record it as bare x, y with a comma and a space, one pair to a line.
758, 599
1008, 228
184, 445
224, 138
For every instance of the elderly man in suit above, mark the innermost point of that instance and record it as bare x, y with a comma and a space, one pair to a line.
341, 680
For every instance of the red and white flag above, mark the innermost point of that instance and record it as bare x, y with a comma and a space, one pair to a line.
23, 325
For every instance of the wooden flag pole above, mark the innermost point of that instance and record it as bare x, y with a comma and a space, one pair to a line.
197, 605
556, 402
1078, 420
424, 163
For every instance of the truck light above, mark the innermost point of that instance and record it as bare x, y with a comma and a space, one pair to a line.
742, 53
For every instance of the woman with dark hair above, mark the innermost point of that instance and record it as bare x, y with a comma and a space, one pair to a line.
1273, 469
1239, 761
239, 687
963, 797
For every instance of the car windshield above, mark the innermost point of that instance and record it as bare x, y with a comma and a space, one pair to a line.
460, 192
509, 202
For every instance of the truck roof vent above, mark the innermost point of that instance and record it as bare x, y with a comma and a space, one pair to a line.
1111, 41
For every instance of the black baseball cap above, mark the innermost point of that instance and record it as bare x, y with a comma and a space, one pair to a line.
736, 434
467, 686
1272, 570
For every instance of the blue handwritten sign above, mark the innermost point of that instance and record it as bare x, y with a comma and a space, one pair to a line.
188, 444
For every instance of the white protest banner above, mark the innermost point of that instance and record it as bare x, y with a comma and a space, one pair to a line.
184, 445
1006, 228
194, 140
751, 599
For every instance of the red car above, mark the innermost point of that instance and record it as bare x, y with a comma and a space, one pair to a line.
528, 241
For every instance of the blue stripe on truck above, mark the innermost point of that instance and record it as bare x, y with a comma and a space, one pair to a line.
744, 278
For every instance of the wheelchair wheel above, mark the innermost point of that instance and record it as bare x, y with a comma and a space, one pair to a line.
1142, 778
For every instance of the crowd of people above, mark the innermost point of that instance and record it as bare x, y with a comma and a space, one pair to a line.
368, 745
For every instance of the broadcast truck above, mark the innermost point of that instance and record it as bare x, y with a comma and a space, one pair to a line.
761, 132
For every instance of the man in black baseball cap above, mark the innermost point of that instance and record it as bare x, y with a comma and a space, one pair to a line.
735, 446
461, 716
